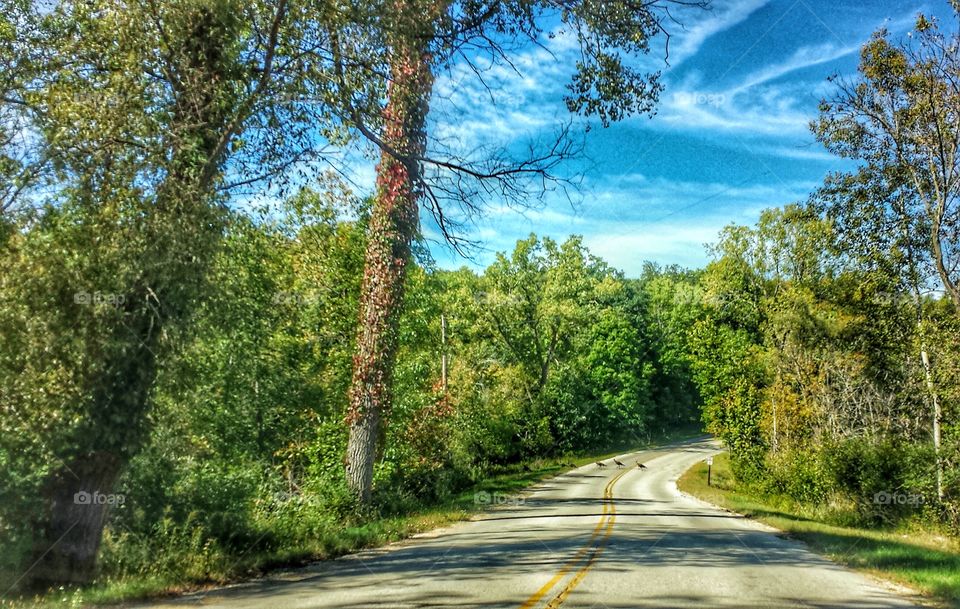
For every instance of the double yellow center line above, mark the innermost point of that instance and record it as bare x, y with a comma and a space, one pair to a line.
592, 550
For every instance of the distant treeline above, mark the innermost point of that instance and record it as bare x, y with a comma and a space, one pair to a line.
811, 363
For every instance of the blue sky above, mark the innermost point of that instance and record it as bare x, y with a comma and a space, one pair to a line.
730, 137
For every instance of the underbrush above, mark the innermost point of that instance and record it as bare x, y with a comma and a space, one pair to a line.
281, 528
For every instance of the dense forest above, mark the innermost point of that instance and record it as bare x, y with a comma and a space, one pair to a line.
547, 353
192, 361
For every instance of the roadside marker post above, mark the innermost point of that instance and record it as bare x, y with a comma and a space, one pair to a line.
709, 468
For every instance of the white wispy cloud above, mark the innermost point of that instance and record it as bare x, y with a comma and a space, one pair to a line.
756, 103
775, 113
804, 57
667, 243
804, 153
624, 245
491, 102
686, 43
637, 197
633, 218
759, 102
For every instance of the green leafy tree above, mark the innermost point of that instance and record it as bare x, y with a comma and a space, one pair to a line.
899, 118
672, 302
418, 38
137, 111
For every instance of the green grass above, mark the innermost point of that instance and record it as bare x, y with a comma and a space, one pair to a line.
914, 555
332, 543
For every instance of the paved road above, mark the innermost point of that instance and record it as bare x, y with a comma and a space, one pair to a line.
591, 538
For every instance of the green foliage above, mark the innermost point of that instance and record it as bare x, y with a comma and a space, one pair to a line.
549, 352
808, 361
801, 475
872, 472
209, 350
159, 342
892, 118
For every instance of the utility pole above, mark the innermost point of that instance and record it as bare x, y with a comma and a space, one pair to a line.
937, 416
443, 352
925, 360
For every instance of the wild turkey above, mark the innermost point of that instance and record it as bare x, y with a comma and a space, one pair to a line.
601, 464
641, 465
619, 464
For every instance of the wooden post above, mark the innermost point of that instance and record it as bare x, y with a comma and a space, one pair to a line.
937, 417
443, 352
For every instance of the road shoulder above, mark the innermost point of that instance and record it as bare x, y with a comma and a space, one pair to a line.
809, 535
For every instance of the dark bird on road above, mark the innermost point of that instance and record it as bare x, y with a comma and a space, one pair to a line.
619, 464
641, 465
601, 464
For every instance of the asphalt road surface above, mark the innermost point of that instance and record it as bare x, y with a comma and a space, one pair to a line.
603, 538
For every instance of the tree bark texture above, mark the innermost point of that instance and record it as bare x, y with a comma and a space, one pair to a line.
393, 225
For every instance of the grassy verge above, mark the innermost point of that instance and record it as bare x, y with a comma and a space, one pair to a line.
335, 542
915, 555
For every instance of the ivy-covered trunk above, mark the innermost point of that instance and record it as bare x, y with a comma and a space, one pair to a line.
393, 225
78, 496
176, 235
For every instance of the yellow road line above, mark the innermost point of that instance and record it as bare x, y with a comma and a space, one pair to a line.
562, 595
575, 581
608, 510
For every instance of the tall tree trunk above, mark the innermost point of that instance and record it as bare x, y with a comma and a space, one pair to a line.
936, 247
393, 225
921, 336
924, 356
183, 225
78, 496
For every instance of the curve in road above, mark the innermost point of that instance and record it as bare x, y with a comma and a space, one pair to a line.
591, 538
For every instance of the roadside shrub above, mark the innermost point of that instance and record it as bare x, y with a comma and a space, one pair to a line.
171, 550
735, 418
800, 475
874, 473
